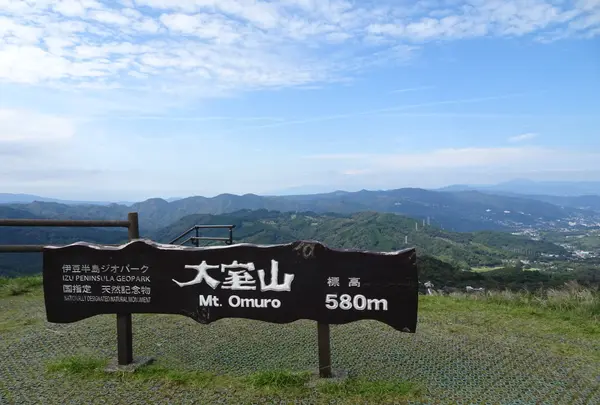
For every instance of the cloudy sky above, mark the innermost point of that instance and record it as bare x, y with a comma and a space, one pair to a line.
130, 99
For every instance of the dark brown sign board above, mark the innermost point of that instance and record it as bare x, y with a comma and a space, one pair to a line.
272, 283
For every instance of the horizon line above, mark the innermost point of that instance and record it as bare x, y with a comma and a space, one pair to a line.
283, 193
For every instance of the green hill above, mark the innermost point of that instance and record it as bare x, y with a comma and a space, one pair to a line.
444, 257
370, 231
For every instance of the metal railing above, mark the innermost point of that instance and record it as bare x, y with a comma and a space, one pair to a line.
197, 238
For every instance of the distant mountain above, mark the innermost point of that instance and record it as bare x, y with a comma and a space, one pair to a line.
530, 187
589, 201
7, 198
301, 190
584, 202
458, 211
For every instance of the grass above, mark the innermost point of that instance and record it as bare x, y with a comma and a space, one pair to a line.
8, 325
556, 320
278, 380
19, 285
573, 300
281, 383
90, 367
497, 347
78, 366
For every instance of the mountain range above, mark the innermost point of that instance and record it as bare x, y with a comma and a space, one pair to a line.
524, 187
453, 231
533, 188
8, 198
463, 211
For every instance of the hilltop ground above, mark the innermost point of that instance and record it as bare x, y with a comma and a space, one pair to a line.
497, 349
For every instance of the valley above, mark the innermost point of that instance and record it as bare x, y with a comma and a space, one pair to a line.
462, 238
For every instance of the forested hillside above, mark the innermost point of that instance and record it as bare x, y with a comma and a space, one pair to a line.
462, 211
444, 257
373, 231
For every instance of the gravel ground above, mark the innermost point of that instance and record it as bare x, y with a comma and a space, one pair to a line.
455, 360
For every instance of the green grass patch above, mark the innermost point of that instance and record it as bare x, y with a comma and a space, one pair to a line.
10, 325
538, 319
278, 380
19, 285
94, 368
493, 310
571, 301
80, 366
281, 384
357, 389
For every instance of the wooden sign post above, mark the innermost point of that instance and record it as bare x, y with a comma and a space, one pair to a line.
276, 283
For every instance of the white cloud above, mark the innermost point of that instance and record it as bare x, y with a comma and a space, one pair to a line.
236, 44
75, 8
339, 156
19, 126
204, 26
354, 172
465, 157
522, 137
145, 51
14, 32
109, 17
521, 158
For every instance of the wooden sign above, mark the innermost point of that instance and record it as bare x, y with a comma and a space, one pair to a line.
275, 283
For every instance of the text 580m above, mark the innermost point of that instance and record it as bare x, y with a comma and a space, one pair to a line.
358, 302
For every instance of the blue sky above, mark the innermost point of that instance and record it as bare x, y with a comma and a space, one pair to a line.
126, 100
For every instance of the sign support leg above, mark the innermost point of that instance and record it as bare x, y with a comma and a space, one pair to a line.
324, 350
124, 339
124, 327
